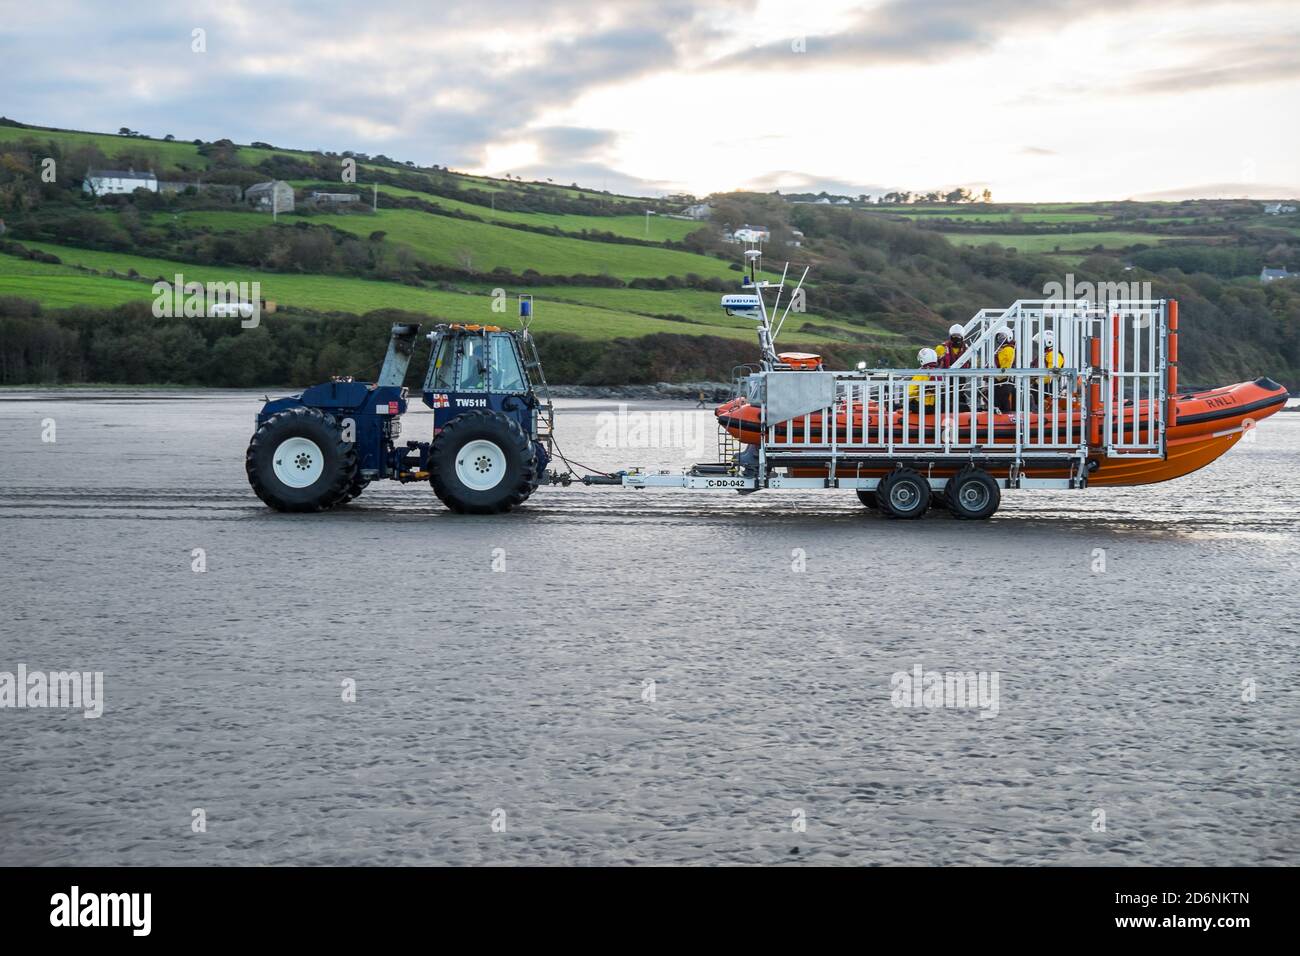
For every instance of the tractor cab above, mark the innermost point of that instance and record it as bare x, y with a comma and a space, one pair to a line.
474, 367
485, 366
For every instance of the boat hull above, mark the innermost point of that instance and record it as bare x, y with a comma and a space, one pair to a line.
1204, 426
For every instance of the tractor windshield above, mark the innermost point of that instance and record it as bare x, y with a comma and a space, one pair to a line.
507, 376
473, 361
442, 375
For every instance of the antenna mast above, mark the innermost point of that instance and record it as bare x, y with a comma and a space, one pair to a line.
751, 305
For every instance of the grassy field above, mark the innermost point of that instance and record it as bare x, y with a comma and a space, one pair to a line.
60, 285
1026, 217
1067, 260
441, 240
182, 153
1036, 214
1078, 241
498, 185
633, 226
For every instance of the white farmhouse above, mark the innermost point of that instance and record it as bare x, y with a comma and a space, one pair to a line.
108, 182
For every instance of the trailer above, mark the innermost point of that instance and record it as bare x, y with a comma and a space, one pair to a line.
1043, 394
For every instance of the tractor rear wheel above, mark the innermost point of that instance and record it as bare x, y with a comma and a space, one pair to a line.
355, 487
482, 463
532, 487
298, 461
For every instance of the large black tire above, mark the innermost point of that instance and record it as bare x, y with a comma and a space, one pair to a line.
904, 493
538, 475
481, 463
973, 495
355, 487
300, 445
868, 498
532, 487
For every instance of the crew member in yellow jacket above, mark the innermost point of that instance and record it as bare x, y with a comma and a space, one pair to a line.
1004, 390
1049, 358
926, 358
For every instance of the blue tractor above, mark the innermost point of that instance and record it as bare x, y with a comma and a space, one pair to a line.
492, 427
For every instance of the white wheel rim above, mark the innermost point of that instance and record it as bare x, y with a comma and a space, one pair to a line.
481, 465
298, 462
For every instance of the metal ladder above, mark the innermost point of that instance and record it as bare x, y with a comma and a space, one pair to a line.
537, 379
729, 446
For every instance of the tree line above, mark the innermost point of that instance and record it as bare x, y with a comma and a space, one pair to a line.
127, 345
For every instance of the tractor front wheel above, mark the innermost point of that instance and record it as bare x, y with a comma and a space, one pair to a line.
482, 463
298, 461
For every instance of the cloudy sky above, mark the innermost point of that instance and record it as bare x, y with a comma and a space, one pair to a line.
1036, 99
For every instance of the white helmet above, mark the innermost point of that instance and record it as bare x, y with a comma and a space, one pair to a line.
1046, 338
1004, 332
927, 356
956, 329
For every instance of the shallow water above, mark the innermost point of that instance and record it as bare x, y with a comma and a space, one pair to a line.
524, 690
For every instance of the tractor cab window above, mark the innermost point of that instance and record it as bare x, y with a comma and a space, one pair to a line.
443, 374
473, 364
507, 376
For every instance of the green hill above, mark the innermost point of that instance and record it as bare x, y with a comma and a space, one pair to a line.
623, 295
482, 247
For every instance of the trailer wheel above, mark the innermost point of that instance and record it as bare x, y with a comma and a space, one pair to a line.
868, 498
298, 461
973, 495
481, 463
904, 494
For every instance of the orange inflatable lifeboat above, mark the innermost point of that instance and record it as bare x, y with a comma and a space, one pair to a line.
1202, 426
